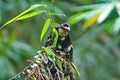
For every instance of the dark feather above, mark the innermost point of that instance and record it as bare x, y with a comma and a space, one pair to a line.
62, 44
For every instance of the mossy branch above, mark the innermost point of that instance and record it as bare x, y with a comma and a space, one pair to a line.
48, 64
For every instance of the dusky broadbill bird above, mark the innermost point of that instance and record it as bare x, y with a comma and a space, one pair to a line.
63, 42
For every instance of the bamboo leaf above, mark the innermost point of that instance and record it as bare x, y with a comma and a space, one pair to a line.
56, 24
76, 18
30, 14
91, 21
38, 5
56, 37
116, 26
45, 27
55, 33
49, 51
88, 7
58, 62
75, 68
53, 58
24, 12
105, 13
50, 54
109, 27
57, 14
117, 5
93, 13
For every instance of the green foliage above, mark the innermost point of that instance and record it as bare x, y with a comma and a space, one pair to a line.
31, 14
45, 27
97, 13
23, 16
54, 31
53, 58
12, 52
96, 51
116, 27
77, 18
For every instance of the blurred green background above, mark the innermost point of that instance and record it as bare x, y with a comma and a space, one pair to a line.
95, 35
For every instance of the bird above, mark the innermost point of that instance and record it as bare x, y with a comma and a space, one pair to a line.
64, 42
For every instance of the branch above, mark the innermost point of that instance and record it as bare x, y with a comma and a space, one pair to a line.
48, 64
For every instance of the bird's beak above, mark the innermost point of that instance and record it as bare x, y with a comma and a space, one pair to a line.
67, 28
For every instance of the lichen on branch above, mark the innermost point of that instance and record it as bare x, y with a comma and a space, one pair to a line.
48, 64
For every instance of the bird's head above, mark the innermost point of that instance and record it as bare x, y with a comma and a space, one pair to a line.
64, 29
65, 26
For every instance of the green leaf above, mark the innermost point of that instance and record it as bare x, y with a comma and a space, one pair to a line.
77, 17
45, 27
88, 7
53, 58
108, 28
57, 14
56, 37
56, 24
117, 5
49, 51
38, 5
58, 62
24, 12
106, 11
31, 14
91, 21
55, 33
93, 13
50, 54
116, 25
